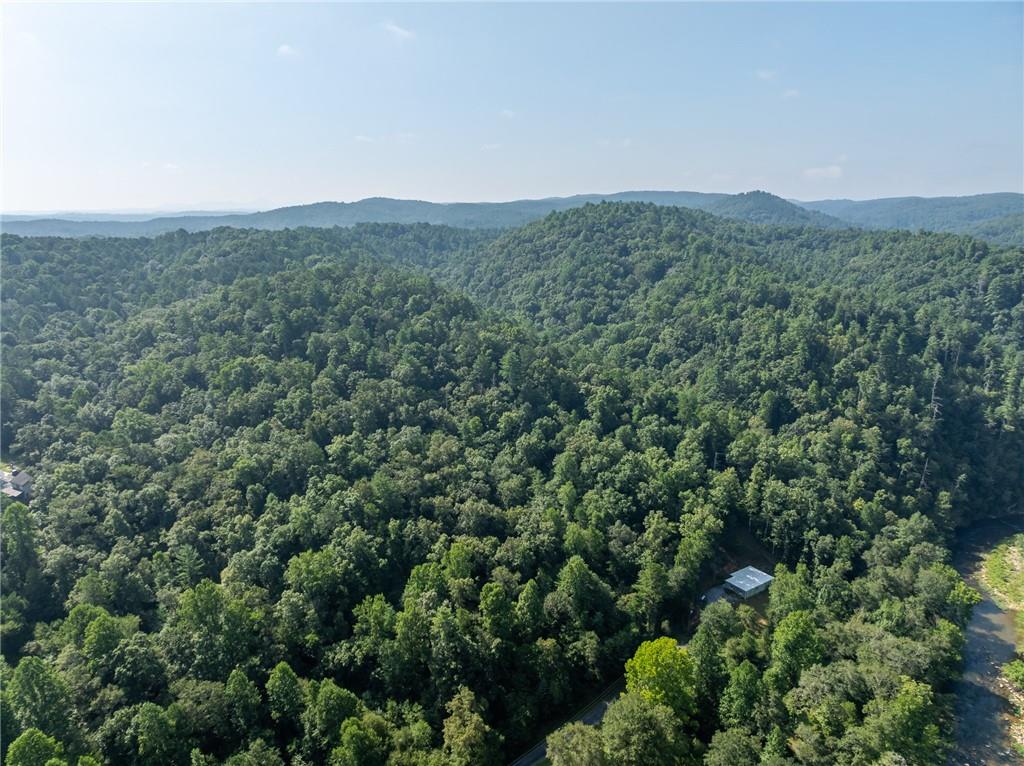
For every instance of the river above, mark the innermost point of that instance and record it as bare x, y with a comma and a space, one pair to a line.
982, 712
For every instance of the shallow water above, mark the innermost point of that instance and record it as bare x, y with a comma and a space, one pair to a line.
982, 712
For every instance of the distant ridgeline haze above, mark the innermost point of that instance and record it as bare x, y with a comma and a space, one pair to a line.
998, 218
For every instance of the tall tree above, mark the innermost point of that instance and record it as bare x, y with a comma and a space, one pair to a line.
468, 739
662, 672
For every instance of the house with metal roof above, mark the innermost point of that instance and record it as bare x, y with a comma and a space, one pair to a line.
748, 582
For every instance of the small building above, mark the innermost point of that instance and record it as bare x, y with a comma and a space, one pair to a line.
748, 582
713, 594
15, 484
22, 482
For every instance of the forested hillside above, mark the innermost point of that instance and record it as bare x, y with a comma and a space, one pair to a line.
405, 494
757, 207
762, 207
993, 217
996, 217
1005, 230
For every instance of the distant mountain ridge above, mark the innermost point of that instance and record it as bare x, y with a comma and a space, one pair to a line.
754, 207
999, 217
490, 215
73, 215
765, 208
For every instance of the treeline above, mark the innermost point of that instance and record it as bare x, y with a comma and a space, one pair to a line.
997, 218
295, 502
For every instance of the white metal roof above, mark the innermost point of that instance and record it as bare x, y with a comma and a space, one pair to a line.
749, 578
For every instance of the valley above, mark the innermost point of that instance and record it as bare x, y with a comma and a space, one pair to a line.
416, 491
511, 384
984, 713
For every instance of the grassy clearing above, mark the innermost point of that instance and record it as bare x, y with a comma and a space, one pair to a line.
1003, 573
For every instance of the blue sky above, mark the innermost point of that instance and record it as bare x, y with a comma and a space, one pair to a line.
251, 106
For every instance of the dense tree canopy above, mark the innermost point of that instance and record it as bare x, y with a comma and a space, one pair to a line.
406, 494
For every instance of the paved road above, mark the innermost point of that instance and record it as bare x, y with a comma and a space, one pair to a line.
590, 715
982, 712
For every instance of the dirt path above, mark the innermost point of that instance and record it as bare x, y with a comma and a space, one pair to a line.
982, 711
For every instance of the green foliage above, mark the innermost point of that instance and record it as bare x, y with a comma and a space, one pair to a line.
259, 753
1014, 672
285, 696
244, 700
639, 732
146, 733
363, 742
740, 698
718, 623
995, 217
904, 724
1003, 572
33, 748
209, 633
328, 708
468, 739
267, 463
662, 672
40, 699
765, 208
796, 646
1002, 230
733, 747
576, 744
789, 592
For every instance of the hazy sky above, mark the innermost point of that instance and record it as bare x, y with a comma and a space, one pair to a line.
187, 106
